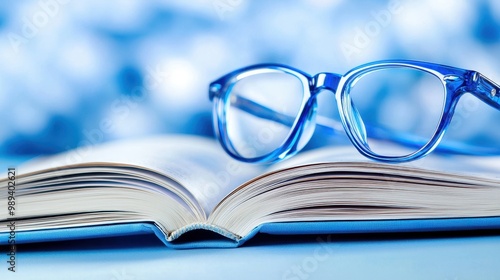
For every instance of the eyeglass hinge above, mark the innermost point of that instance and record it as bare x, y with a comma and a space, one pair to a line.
213, 90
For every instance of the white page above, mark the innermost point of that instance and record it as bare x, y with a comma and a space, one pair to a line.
200, 166
484, 166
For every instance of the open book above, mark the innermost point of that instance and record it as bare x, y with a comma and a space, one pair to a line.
172, 185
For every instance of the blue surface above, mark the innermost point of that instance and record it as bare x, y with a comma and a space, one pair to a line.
268, 257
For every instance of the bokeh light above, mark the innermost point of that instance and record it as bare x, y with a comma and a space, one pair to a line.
136, 68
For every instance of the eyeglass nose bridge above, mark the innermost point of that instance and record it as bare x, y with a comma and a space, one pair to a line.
328, 81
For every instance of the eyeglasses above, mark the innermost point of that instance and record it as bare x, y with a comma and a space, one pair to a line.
267, 112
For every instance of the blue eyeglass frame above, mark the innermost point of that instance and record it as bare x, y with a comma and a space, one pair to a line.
455, 81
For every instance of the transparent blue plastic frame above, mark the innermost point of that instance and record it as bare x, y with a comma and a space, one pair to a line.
455, 81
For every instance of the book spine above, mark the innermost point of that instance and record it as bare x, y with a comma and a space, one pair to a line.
202, 226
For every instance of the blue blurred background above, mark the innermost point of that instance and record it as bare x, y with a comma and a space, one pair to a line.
74, 73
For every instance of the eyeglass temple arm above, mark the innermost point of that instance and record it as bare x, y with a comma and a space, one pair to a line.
486, 90
264, 112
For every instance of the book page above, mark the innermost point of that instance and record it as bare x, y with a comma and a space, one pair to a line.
338, 183
484, 166
204, 172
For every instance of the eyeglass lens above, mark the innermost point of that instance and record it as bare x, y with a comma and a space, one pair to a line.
261, 110
398, 103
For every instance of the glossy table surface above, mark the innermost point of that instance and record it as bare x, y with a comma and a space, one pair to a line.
472, 255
